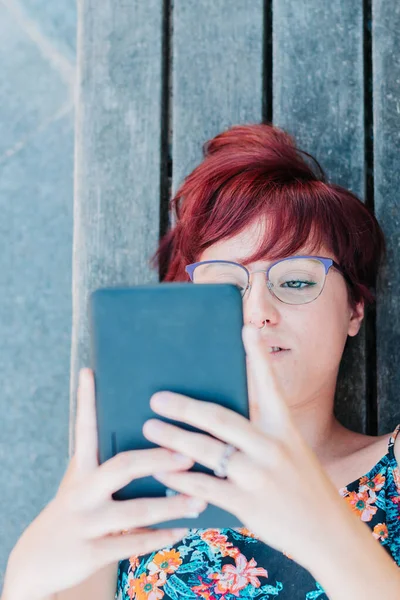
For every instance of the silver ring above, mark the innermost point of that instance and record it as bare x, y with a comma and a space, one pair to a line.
265, 322
221, 470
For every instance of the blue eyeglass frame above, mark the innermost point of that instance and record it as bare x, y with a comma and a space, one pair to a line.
327, 262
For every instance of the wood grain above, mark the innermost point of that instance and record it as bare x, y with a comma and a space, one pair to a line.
386, 114
117, 162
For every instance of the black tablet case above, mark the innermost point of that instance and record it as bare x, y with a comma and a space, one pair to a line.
170, 336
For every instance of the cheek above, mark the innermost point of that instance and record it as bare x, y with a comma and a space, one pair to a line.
323, 335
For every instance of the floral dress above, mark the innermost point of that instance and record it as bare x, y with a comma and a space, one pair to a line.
226, 564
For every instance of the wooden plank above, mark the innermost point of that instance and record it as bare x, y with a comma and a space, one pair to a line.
118, 130
386, 115
318, 97
217, 73
36, 166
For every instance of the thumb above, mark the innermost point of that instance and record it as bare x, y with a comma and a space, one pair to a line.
264, 386
86, 441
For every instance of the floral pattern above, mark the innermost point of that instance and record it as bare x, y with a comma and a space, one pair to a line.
225, 564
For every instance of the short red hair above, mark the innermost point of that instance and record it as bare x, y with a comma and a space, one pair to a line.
254, 171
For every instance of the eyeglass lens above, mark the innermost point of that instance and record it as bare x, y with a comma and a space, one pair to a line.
294, 281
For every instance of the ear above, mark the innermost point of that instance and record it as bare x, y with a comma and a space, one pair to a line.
356, 318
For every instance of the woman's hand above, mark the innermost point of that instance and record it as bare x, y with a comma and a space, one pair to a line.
275, 485
83, 529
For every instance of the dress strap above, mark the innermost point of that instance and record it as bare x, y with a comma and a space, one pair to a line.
392, 440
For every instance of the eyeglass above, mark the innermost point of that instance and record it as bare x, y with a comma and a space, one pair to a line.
292, 280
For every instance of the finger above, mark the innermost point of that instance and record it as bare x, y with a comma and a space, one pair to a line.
142, 512
123, 468
220, 492
203, 449
221, 422
265, 387
86, 442
112, 549
254, 409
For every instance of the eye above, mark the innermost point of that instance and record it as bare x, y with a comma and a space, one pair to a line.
297, 284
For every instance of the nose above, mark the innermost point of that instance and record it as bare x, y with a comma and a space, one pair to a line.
259, 305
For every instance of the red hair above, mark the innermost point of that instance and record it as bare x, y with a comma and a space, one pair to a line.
255, 171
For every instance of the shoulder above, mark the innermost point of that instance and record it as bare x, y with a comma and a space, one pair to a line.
378, 445
359, 454
382, 443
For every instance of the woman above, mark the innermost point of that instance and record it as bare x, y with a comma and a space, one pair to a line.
319, 503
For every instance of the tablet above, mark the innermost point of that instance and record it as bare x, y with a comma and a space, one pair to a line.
182, 337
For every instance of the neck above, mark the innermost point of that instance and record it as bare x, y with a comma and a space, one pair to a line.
315, 420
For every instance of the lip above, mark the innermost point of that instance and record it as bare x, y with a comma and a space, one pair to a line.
274, 344
278, 355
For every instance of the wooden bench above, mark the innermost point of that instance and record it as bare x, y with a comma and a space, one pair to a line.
157, 79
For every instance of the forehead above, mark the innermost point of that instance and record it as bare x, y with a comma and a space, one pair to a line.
239, 247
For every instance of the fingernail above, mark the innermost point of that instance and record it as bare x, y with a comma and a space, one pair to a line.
252, 330
83, 377
154, 426
160, 399
250, 335
195, 505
